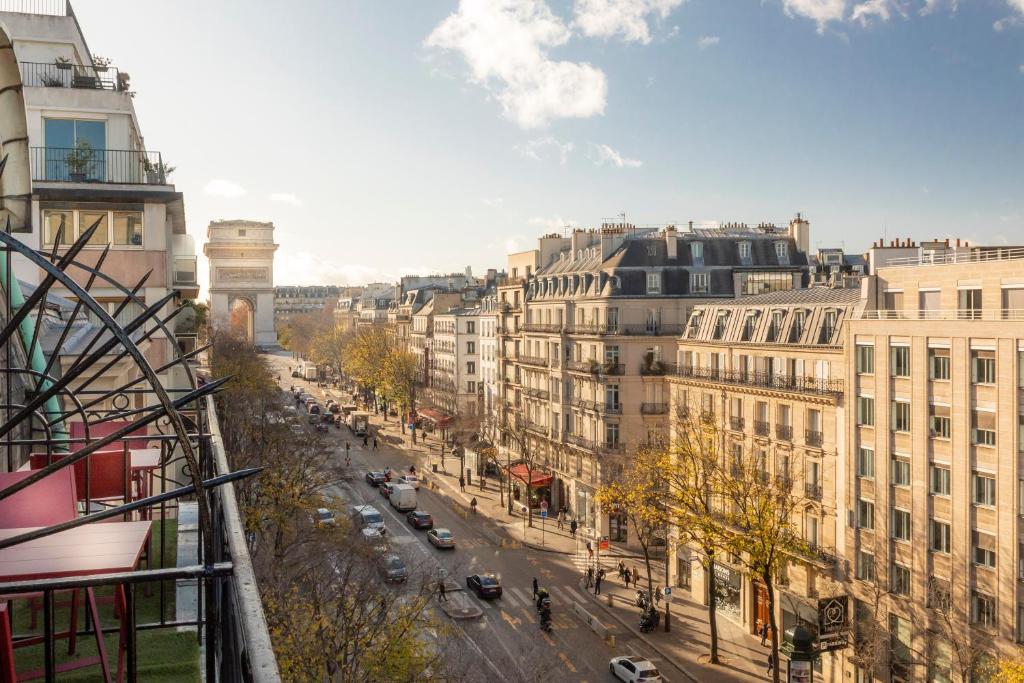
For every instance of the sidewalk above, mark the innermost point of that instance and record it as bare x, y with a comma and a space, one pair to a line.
742, 658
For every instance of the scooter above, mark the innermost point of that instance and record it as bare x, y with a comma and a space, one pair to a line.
649, 619
545, 620
641, 599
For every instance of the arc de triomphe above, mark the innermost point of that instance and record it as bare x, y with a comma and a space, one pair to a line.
241, 255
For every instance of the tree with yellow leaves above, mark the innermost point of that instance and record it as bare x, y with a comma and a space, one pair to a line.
1009, 670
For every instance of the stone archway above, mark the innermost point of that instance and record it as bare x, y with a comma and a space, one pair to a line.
242, 316
241, 255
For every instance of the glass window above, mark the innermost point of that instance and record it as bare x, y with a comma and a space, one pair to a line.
697, 251
939, 536
52, 221
900, 580
984, 486
654, 283
86, 219
900, 471
938, 364
900, 524
983, 428
782, 252
865, 462
940, 665
865, 566
969, 301
865, 514
939, 422
899, 643
939, 480
698, 283
865, 359
983, 548
59, 133
901, 416
865, 411
983, 367
901, 361
983, 609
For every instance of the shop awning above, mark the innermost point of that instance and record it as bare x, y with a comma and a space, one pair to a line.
436, 416
538, 480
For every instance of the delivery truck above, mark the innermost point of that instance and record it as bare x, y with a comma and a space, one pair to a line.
403, 497
359, 423
309, 372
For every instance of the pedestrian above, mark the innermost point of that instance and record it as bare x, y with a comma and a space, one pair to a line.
535, 588
590, 549
365, 440
622, 568
626, 576
590, 576
374, 443
346, 449
441, 594
572, 528
559, 518
636, 576
764, 633
597, 582
472, 505
462, 483
771, 662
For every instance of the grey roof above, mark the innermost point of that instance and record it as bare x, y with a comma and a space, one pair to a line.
793, 297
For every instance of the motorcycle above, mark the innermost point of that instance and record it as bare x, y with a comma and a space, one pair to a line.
649, 619
641, 599
543, 600
545, 620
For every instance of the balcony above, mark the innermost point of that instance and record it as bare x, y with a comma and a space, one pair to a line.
583, 404
532, 426
736, 423
646, 330
761, 428
538, 393
613, 369
806, 385
813, 438
588, 366
67, 75
546, 328
535, 361
812, 491
87, 165
653, 408
657, 369
610, 409
784, 432
819, 554
581, 442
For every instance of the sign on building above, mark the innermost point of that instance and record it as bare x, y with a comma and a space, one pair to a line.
833, 623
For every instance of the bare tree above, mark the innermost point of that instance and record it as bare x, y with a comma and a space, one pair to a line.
527, 449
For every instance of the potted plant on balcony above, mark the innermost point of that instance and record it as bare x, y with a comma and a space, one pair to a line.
78, 160
101, 64
157, 172
62, 63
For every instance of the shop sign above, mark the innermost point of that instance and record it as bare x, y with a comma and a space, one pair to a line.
833, 623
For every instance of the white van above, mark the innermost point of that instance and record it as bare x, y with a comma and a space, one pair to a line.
403, 497
368, 517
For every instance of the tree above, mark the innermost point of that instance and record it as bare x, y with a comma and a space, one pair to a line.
399, 380
527, 450
758, 525
969, 651
639, 493
694, 477
1009, 670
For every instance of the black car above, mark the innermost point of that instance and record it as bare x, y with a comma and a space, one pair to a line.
374, 478
420, 519
484, 585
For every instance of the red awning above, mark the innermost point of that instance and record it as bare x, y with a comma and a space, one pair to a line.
538, 480
435, 416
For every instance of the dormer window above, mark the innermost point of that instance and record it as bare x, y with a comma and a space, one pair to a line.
749, 326
697, 253
694, 325
744, 248
796, 330
828, 326
654, 283
775, 330
782, 252
720, 322
698, 283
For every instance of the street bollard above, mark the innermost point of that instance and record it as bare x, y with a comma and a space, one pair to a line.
611, 600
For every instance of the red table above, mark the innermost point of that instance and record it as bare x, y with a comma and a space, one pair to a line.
97, 548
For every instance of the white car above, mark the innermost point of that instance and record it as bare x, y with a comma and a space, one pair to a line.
633, 669
410, 479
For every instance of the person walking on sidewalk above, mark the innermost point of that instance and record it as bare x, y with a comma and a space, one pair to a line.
442, 595
622, 569
590, 549
366, 440
462, 483
535, 588
597, 581
636, 576
472, 506
764, 632
560, 518
374, 443
590, 576
572, 528
771, 663
626, 576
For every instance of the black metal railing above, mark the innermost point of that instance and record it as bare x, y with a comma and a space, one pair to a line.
88, 165
761, 427
784, 432
610, 408
583, 404
819, 553
614, 369
53, 8
583, 366
813, 438
626, 330
536, 361
67, 75
812, 491
657, 368
736, 423
653, 408
548, 328
812, 385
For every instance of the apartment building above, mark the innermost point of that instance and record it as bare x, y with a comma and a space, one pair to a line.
768, 371
290, 301
455, 367
588, 326
490, 386
934, 478
90, 165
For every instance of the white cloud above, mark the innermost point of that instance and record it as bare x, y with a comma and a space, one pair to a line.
285, 198
224, 188
538, 149
505, 44
879, 9
704, 42
603, 154
1021, 68
307, 268
551, 223
494, 202
819, 11
628, 18
1017, 6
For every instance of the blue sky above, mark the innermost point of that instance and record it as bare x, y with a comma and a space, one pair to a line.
385, 137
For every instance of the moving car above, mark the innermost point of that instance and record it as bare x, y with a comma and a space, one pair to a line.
325, 517
441, 538
368, 517
385, 489
484, 585
632, 669
393, 569
420, 519
402, 497
374, 478
374, 538
410, 479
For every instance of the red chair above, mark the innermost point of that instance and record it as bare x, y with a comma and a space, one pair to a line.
7, 672
101, 429
100, 477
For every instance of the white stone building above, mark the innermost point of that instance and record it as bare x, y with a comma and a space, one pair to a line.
456, 361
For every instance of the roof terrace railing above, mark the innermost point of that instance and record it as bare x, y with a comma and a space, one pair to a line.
973, 255
944, 314
68, 75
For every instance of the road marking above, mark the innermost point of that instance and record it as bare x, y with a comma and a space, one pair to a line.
512, 621
509, 597
520, 594
576, 594
568, 662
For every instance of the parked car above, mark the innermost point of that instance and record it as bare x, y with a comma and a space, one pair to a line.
420, 519
312, 418
313, 408
484, 585
393, 569
410, 479
385, 489
441, 538
632, 669
374, 478
325, 517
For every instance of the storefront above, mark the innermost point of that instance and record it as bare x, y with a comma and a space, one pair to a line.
618, 527
729, 592
539, 488
584, 510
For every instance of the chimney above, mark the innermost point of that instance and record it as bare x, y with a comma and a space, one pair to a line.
671, 242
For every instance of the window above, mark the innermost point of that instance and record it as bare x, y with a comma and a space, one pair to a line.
64, 135
720, 323
865, 411
744, 249
940, 663
938, 480
901, 361
983, 609
654, 283
101, 219
697, 253
900, 524
983, 367
983, 549
938, 364
984, 488
865, 514
865, 359
983, 428
796, 329
782, 252
900, 579
470, 368
52, 222
938, 594
828, 327
901, 416
698, 283
749, 326
939, 536
470, 327
470, 347
865, 566
611, 435
938, 422
969, 303
900, 471
775, 330
865, 462
471, 387
127, 227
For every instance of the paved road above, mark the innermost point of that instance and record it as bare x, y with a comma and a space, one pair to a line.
506, 637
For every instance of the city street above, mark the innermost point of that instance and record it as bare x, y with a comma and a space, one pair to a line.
505, 636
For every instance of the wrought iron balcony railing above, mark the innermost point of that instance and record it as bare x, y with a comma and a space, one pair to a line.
784, 432
736, 423
813, 438
548, 328
761, 427
535, 361
812, 491
807, 385
657, 368
67, 75
88, 165
654, 408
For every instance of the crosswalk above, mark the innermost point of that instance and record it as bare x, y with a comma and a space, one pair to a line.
517, 604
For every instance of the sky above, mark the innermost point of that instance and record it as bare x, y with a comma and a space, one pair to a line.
389, 137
